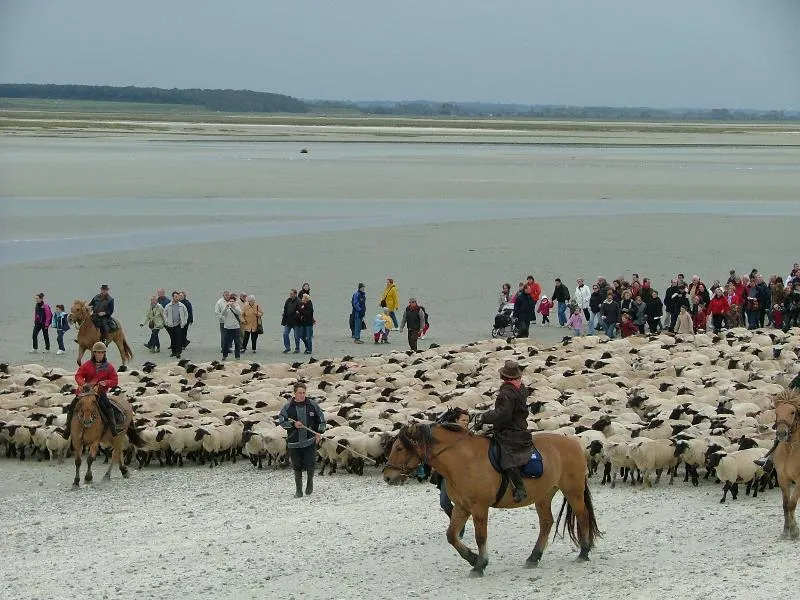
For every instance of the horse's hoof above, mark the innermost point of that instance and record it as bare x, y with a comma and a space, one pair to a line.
476, 572
125, 474
583, 558
531, 564
106, 477
76, 485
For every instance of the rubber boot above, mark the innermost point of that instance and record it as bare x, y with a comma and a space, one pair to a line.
519, 487
298, 483
68, 425
309, 481
766, 463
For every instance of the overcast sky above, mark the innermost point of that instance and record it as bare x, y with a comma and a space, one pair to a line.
676, 53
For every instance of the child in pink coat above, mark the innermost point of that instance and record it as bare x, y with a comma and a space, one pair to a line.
575, 321
545, 306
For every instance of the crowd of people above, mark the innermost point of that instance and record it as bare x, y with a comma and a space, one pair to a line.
626, 308
240, 320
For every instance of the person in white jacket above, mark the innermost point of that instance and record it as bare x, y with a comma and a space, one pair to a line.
582, 296
218, 308
231, 326
176, 316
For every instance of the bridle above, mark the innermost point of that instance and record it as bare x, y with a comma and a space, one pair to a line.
88, 423
406, 470
790, 425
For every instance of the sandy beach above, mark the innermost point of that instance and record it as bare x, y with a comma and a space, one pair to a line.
450, 222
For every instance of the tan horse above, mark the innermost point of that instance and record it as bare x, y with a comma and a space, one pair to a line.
89, 430
787, 457
88, 333
473, 484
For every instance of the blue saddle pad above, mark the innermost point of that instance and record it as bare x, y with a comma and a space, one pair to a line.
533, 469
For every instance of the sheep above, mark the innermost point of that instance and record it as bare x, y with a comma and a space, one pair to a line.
56, 445
211, 442
654, 455
693, 454
738, 466
616, 458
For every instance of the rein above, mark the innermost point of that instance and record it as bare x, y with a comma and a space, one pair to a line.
414, 447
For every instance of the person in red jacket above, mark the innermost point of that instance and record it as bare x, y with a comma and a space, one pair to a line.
718, 307
626, 326
99, 375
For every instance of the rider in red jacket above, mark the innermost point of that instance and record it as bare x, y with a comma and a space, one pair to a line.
100, 375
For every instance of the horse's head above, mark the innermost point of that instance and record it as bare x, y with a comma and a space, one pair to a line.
86, 410
787, 414
79, 312
409, 450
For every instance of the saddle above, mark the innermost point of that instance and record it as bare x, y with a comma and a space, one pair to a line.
533, 469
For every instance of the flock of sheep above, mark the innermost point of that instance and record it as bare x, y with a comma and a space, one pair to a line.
641, 405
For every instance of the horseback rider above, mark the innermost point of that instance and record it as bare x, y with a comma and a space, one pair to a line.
100, 375
102, 306
510, 420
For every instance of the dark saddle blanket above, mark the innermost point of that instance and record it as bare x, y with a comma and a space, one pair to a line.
533, 469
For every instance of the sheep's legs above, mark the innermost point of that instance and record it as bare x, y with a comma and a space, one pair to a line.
725, 489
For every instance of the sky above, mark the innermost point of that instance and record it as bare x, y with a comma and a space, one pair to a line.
680, 53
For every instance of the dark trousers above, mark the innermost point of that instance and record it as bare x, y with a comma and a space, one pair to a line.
45, 334
154, 342
413, 338
175, 339
716, 321
545, 319
232, 337
586, 314
185, 335
250, 335
222, 338
60, 338
654, 324
523, 327
641, 328
303, 458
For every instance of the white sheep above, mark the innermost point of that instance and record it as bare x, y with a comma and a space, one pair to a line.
654, 455
738, 467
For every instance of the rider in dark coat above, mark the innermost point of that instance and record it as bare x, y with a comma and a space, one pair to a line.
102, 306
510, 420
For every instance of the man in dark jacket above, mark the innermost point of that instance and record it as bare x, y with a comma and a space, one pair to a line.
102, 306
304, 421
676, 300
185, 301
561, 296
764, 298
510, 420
289, 322
413, 317
524, 311
358, 305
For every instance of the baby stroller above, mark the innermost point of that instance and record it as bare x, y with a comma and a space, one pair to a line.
505, 323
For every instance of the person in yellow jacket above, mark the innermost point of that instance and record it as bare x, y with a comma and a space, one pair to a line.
390, 300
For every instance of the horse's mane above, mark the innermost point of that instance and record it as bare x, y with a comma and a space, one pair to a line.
422, 433
452, 427
788, 397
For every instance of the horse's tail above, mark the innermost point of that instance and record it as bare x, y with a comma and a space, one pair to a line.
134, 437
570, 522
127, 349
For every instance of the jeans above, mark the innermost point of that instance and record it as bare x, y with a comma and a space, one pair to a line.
154, 342
394, 319
286, 330
610, 329
752, 319
562, 313
593, 321
232, 336
357, 317
307, 335
60, 339
45, 334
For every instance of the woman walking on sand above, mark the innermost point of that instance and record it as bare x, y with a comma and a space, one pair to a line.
389, 299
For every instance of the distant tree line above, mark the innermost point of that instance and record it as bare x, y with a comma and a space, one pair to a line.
218, 100
264, 102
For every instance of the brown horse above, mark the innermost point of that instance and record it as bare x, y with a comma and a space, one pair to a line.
89, 430
88, 333
787, 457
473, 484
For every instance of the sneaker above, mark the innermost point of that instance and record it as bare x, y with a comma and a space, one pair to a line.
33, 351
45, 351
307, 352
186, 343
422, 337
357, 342
286, 351
377, 342
148, 346
60, 352
296, 351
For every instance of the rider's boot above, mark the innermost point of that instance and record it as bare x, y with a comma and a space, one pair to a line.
68, 425
520, 493
107, 411
766, 462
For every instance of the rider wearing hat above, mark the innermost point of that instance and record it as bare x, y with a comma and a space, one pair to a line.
102, 308
510, 420
100, 375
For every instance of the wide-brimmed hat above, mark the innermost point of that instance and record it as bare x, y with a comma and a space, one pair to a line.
99, 347
510, 370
